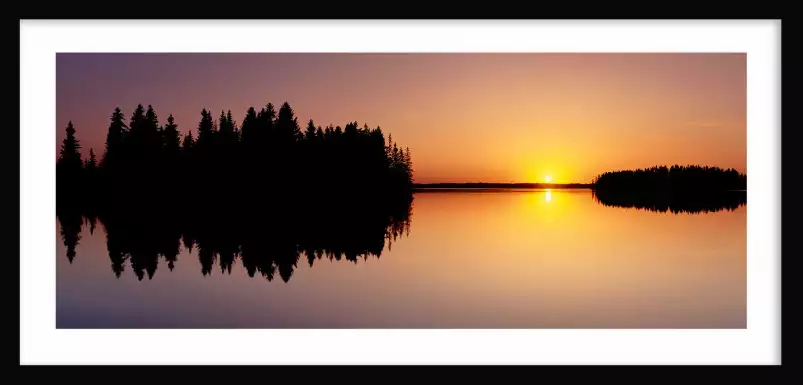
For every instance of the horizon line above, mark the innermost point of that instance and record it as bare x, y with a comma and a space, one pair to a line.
500, 183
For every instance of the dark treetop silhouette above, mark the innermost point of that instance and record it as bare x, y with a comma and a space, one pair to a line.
265, 162
672, 179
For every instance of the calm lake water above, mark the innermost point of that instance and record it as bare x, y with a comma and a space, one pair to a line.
482, 259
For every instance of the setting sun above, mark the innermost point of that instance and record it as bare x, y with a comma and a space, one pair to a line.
548, 178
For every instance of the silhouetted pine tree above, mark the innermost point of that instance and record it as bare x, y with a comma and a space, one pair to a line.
285, 138
226, 132
265, 145
233, 127
114, 140
267, 126
188, 143
93, 163
206, 130
249, 152
187, 161
153, 141
171, 154
152, 126
139, 136
224, 156
70, 156
287, 129
408, 165
319, 133
249, 130
309, 134
172, 139
204, 147
69, 171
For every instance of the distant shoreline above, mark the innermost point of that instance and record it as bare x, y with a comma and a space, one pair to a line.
530, 186
659, 180
473, 186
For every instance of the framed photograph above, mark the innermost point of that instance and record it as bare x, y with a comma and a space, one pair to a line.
485, 192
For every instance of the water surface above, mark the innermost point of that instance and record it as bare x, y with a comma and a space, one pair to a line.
480, 259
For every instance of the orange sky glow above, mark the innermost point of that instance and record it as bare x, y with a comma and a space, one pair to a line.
465, 117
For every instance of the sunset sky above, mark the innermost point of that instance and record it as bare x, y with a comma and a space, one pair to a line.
465, 117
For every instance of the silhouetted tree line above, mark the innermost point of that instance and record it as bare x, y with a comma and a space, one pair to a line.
264, 161
677, 189
274, 245
672, 179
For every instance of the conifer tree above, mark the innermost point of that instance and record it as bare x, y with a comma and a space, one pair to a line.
137, 122
70, 156
69, 171
310, 133
114, 138
319, 133
206, 129
268, 117
408, 165
152, 121
92, 163
287, 124
171, 137
249, 127
231, 122
188, 143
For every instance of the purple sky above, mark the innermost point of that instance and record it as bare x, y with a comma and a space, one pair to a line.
465, 117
